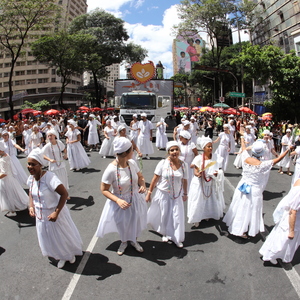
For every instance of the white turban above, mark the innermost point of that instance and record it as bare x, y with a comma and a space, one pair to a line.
144, 115
248, 126
2, 148
4, 132
185, 134
266, 132
72, 122
288, 130
121, 145
134, 115
108, 122
203, 141
171, 144
38, 155
185, 123
52, 131
226, 126
92, 116
120, 128
258, 148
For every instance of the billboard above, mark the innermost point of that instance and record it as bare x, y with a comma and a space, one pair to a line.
187, 50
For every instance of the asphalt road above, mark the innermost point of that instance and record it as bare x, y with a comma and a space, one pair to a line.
212, 264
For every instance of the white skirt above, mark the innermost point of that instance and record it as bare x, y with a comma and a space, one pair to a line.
107, 147
93, 138
18, 171
129, 223
145, 145
62, 175
161, 140
12, 195
78, 158
278, 245
201, 207
166, 216
245, 212
61, 239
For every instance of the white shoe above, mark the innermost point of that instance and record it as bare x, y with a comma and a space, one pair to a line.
72, 260
273, 261
103, 156
147, 157
11, 214
196, 224
77, 169
122, 248
61, 264
164, 239
179, 245
137, 246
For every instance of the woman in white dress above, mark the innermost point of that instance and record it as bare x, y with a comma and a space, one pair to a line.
93, 137
166, 212
57, 234
286, 142
26, 138
296, 174
245, 211
10, 147
125, 210
12, 196
161, 136
55, 152
269, 146
107, 148
77, 156
224, 146
134, 128
206, 199
36, 139
284, 239
188, 150
232, 130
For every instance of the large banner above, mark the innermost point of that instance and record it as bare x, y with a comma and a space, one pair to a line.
187, 50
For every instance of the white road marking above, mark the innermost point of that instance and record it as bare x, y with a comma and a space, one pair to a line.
72, 285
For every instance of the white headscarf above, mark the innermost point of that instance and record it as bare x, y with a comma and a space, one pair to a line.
258, 148
72, 122
120, 128
2, 148
121, 145
185, 134
203, 141
52, 131
171, 144
38, 155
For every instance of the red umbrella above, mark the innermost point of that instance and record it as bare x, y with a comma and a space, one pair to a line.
195, 108
110, 108
230, 111
36, 112
27, 110
83, 108
51, 112
247, 110
97, 109
267, 118
2, 121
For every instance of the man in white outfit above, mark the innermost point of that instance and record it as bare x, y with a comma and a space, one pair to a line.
144, 141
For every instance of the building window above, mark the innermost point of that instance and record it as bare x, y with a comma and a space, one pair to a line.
31, 72
298, 49
53, 72
43, 90
7, 65
20, 63
6, 74
31, 81
19, 73
43, 80
53, 80
43, 71
31, 91
19, 82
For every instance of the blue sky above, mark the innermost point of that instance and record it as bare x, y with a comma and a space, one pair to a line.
149, 24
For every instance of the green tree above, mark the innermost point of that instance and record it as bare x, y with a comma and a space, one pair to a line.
66, 52
18, 19
41, 105
110, 46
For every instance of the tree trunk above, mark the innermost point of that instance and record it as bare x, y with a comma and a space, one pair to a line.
96, 85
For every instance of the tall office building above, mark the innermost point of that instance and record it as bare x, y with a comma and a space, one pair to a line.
279, 24
33, 81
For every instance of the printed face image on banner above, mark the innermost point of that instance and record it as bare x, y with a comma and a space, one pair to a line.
188, 50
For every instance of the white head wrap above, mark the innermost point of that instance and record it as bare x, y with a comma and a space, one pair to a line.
248, 127
144, 115
121, 145
203, 141
4, 132
26, 125
266, 132
226, 126
231, 116
52, 131
162, 120
171, 144
185, 134
11, 127
38, 155
120, 128
134, 115
183, 119
72, 122
193, 118
258, 148
185, 123
288, 130
108, 122
92, 116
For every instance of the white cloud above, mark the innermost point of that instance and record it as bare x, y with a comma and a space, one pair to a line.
112, 5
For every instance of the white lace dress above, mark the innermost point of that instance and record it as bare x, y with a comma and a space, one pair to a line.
205, 199
223, 148
107, 148
12, 195
245, 211
277, 244
128, 223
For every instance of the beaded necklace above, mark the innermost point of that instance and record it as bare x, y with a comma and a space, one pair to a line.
206, 179
39, 197
171, 183
60, 157
119, 179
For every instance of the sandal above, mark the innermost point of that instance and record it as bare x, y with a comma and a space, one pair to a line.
244, 236
289, 173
